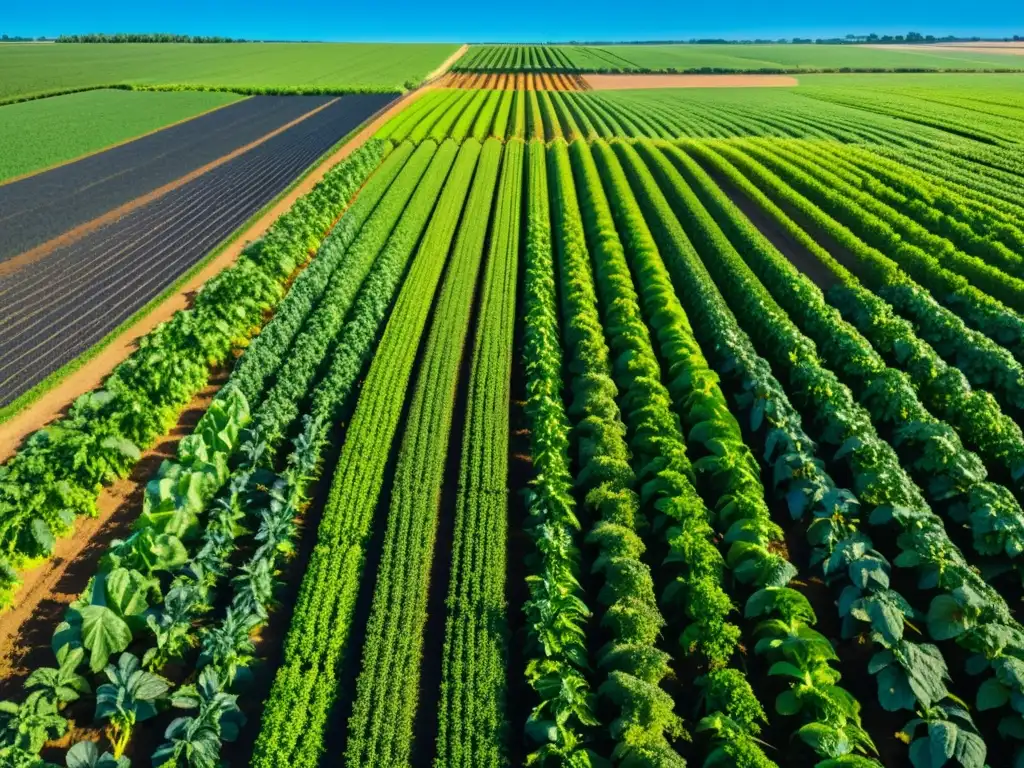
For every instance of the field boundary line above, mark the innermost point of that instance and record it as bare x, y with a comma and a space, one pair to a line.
121, 143
34, 409
77, 233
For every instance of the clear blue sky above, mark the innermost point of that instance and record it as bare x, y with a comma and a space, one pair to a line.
473, 20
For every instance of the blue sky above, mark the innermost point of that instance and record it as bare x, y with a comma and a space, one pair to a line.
473, 20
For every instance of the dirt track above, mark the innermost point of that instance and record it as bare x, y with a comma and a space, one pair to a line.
447, 63
625, 82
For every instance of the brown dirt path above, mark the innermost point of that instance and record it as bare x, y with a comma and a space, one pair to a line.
447, 63
121, 143
73, 235
623, 82
50, 405
48, 588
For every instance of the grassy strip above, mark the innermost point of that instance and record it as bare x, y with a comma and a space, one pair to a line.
50, 382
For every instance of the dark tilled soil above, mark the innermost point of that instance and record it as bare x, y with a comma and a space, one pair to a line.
45, 205
799, 257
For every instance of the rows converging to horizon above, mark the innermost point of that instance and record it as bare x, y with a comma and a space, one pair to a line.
554, 426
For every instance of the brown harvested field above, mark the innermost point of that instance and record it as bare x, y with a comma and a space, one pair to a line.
627, 82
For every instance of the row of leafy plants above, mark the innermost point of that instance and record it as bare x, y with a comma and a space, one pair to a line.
472, 727
829, 721
305, 686
967, 609
380, 728
154, 589
977, 308
949, 220
975, 414
640, 714
954, 479
910, 675
558, 668
963, 175
693, 574
987, 216
986, 364
970, 612
994, 279
60, 470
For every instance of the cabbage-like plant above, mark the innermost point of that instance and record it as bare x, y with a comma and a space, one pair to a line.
58, 686
132, 696
195, 740
85, 754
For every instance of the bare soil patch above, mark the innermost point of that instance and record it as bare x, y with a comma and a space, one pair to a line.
52, 404
625, 82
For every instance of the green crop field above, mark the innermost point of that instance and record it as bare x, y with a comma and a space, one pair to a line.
564, 428
33, 69
41, 133
679, 58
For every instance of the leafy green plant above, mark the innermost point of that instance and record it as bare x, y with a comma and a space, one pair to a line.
195, 740
57, 687
85, 754
25, 728
132, 696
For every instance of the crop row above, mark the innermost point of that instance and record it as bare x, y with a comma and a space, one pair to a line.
380, 727
843, 424
306, 685
471, 717
669, 114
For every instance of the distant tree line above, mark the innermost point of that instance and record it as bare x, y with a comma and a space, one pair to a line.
157, 37
20, 39
910, 37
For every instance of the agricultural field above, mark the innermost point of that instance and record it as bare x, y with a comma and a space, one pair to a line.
729, 58
31, 70
39, 134
554, 427
90, 243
